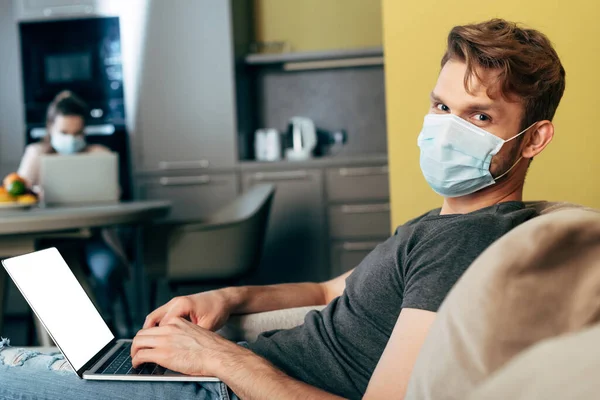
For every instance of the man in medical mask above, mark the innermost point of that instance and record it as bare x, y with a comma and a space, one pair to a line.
497, 91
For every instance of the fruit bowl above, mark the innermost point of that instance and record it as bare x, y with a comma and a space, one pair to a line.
15, 195
15, 205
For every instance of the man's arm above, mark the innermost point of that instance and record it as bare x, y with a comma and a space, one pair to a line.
211, 310
253, 378
187, 348
390, 378
253, 299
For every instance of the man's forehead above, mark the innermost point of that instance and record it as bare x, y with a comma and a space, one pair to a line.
482, 87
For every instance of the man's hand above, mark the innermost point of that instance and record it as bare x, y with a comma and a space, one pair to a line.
187, 348
209, 310
184, 347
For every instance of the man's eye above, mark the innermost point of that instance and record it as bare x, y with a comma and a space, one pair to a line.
482, 117
442, 107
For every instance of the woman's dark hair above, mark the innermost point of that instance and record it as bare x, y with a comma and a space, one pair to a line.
68, 104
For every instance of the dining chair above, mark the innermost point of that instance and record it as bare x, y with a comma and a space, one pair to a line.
217, 251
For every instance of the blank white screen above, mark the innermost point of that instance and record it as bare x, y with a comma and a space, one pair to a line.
51, 289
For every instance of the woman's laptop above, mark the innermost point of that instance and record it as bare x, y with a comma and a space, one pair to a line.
67, 313
80, 178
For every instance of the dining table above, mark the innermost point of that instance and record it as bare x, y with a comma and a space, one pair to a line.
22, 228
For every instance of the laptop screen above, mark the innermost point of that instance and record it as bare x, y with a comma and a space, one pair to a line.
53, 292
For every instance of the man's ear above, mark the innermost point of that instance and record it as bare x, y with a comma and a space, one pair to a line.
541, 135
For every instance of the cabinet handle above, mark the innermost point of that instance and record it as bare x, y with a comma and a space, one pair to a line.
366, 171
166, 165
185, 180
365, 208
67, 10
280, 176
359, 246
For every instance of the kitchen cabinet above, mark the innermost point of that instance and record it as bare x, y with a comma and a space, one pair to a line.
347, 255
327, 215
28, 9
358, 213
193, 197
296, 244
357, 183
359, 220
186, 118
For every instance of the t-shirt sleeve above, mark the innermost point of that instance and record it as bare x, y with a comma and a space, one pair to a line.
29, 168
436, 264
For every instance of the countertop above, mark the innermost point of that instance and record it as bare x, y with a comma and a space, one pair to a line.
283, 165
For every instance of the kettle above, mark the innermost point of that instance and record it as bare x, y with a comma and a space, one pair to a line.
301, 138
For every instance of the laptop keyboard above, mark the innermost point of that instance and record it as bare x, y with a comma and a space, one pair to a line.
120, 364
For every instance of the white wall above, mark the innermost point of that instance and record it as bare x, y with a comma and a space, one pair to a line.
12, 125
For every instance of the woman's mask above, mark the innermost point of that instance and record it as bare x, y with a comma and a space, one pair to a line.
64, 143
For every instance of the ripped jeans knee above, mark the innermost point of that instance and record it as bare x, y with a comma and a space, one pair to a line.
18, 357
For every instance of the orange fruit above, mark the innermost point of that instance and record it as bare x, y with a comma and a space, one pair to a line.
12, 177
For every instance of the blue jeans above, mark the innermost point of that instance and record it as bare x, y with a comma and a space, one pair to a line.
104, 266
31, 375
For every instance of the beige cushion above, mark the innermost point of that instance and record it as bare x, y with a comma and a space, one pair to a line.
539, 281
565, 367
248, 327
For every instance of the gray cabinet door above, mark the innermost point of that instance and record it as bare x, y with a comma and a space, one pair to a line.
186, 108
347, 255
358, 183
192, 197
296, 246
359, 220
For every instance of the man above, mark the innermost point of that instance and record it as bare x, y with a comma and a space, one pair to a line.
490, 114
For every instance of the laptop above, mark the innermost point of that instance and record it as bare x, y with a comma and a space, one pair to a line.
80, 178
77, 328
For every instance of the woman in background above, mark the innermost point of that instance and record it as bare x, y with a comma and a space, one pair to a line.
65, 124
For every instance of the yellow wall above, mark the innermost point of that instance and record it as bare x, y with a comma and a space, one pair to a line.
319, 24
414, 40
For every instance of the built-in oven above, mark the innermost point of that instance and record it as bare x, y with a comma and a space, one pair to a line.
81, 55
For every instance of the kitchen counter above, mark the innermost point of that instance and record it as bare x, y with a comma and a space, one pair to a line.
321, 162
283, 165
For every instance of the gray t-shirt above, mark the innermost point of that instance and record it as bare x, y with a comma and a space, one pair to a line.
338, 348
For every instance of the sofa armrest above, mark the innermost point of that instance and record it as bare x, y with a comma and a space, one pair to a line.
248, 327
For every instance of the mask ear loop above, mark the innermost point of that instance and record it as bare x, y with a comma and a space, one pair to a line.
510, 169
520, 158
520, 133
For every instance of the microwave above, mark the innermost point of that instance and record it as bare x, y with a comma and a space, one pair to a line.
81, 55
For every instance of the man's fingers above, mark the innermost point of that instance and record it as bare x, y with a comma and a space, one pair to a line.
148, 356
155, 317
175, 313
145, 342
179, 309
157, 331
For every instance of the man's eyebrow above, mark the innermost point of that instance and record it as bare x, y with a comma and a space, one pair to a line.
434, 97
470, 107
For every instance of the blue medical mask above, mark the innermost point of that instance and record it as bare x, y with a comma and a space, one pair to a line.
67, 144
456, 155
